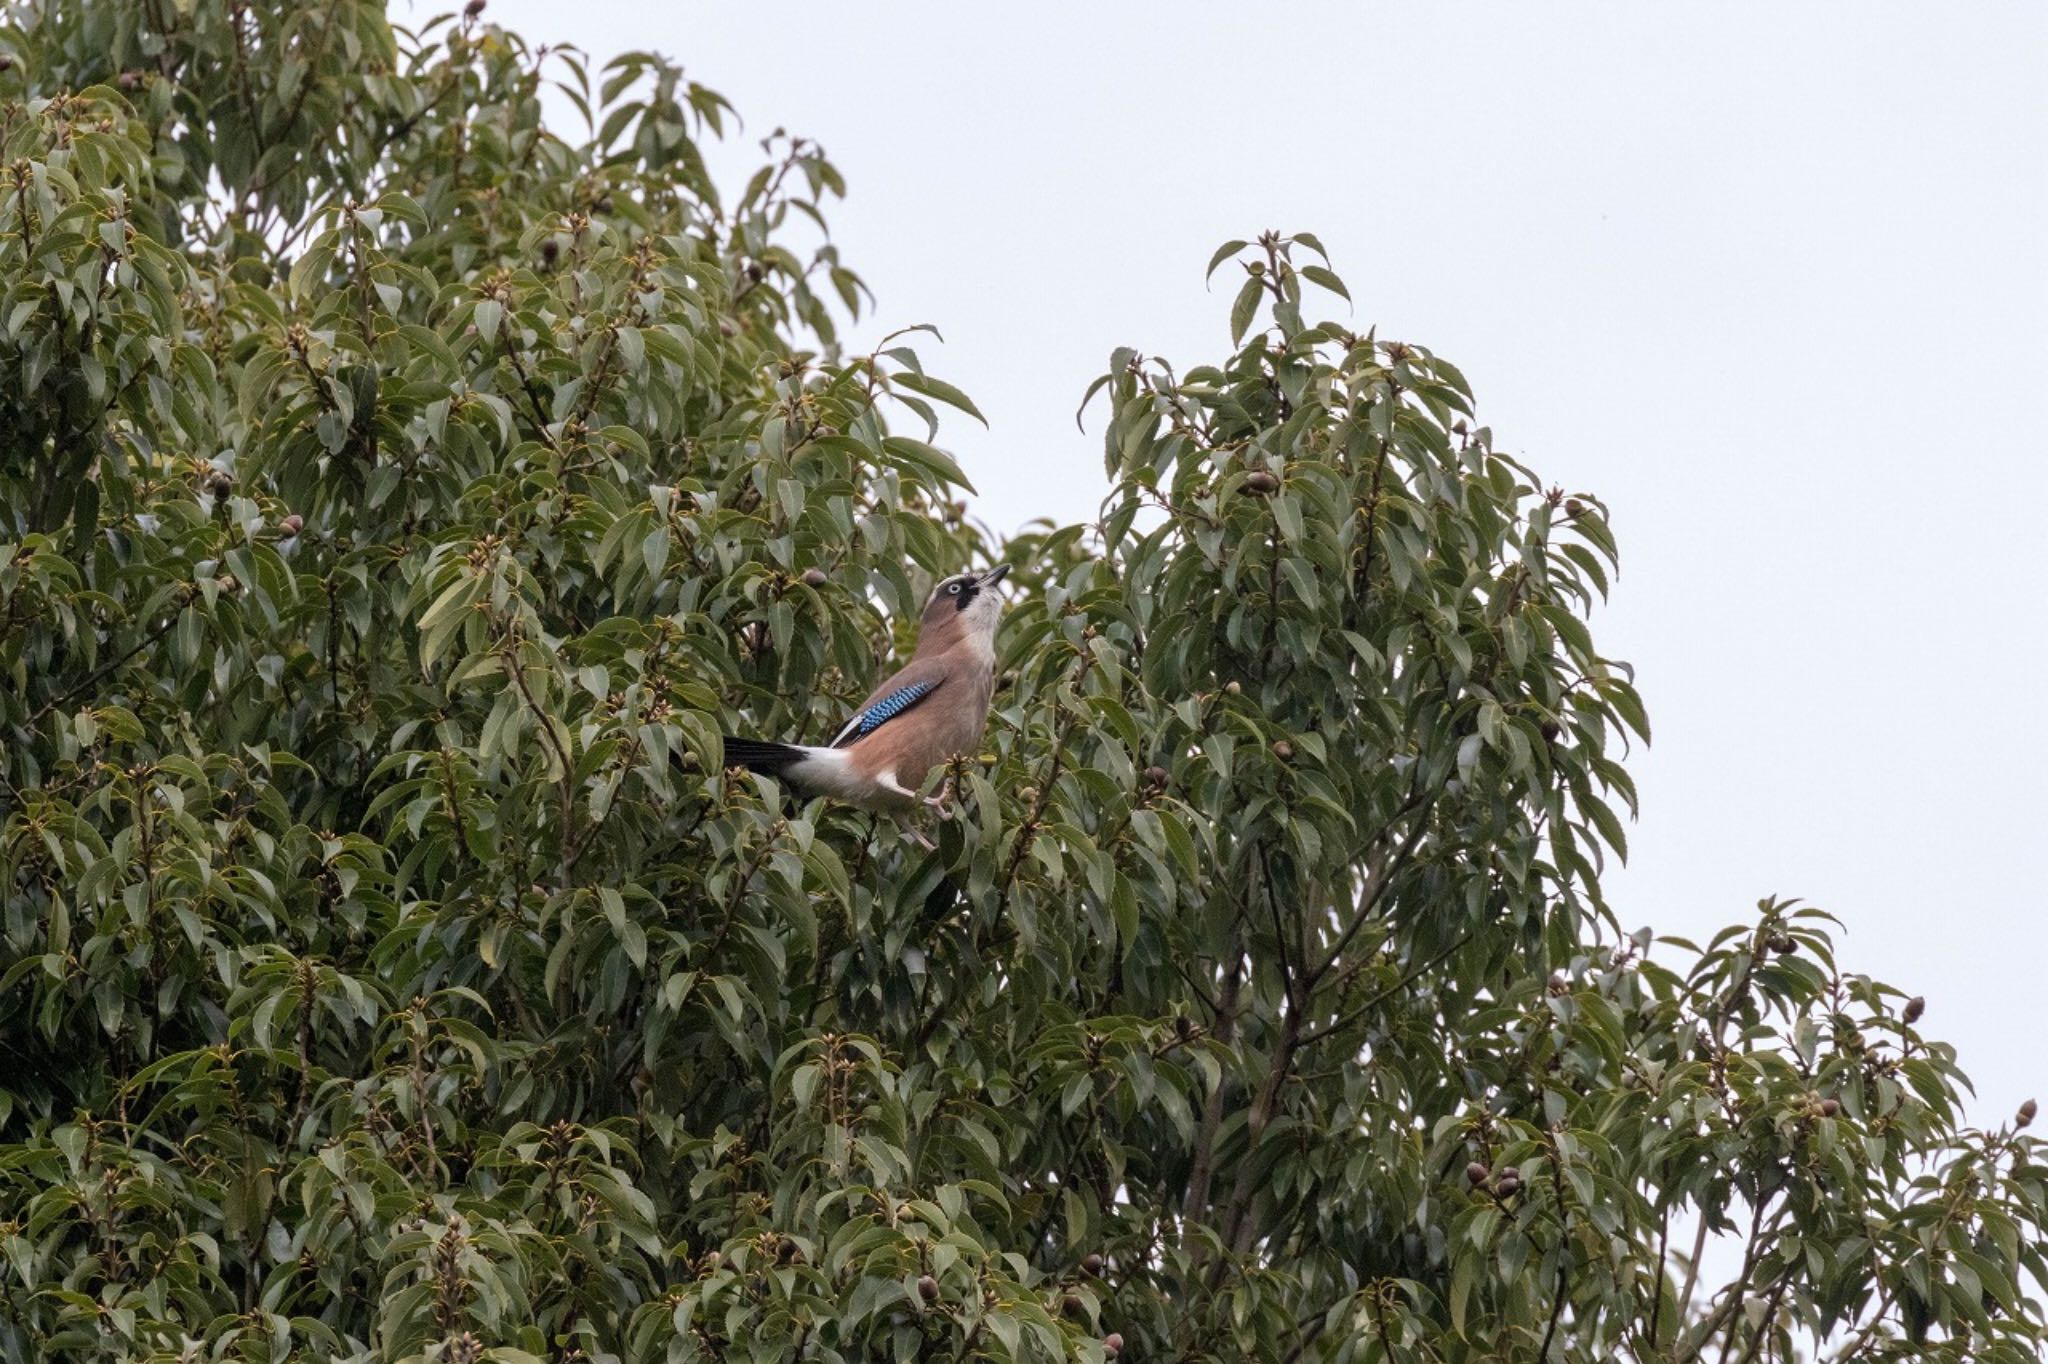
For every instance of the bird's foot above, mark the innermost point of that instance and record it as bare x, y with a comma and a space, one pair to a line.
942, 799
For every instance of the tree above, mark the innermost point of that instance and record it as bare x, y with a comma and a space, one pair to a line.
397, 498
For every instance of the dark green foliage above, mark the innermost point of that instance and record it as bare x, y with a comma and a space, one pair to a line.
397, 499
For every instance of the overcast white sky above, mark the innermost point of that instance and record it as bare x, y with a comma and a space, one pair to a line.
1767, 278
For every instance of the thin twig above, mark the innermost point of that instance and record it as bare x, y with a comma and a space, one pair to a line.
184, 600
1563, 1266
1345, 1020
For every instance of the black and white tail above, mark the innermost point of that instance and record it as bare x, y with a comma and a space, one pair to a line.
812, 770
760, 755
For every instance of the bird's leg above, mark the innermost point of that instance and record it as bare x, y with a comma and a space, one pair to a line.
909, 830
942, 799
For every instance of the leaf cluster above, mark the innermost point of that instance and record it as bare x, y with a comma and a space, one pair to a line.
399, 497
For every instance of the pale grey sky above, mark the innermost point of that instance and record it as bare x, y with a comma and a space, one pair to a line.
1767, 278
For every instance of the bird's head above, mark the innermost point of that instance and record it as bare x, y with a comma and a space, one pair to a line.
964, 606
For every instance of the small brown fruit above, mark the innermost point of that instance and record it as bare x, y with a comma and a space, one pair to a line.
1915, 1006
1572, 506
1261, 483
473, 8
1092, 1266
1112, 1343
292, 524
549, 250
1509, 1186
1550, 731
1478, 1173
928, 1288
1283, 750
1231, 688
129, 80
1071, 1304
1830, 1108
815, 577
1157, 777
2025, 1116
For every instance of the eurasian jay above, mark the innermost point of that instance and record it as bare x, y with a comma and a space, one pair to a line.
936, 707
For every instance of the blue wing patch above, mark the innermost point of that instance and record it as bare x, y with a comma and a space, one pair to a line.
885, 710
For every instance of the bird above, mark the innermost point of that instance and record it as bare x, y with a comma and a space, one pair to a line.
936, 706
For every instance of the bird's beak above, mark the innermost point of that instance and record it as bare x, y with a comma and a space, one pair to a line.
993, 576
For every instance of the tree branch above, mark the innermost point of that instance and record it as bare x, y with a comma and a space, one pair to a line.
101, 674
1377, 879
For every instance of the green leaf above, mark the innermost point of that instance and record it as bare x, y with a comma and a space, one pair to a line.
1316, 274
938, 390
1223, 253
487, 316
1242, 310
654, 551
